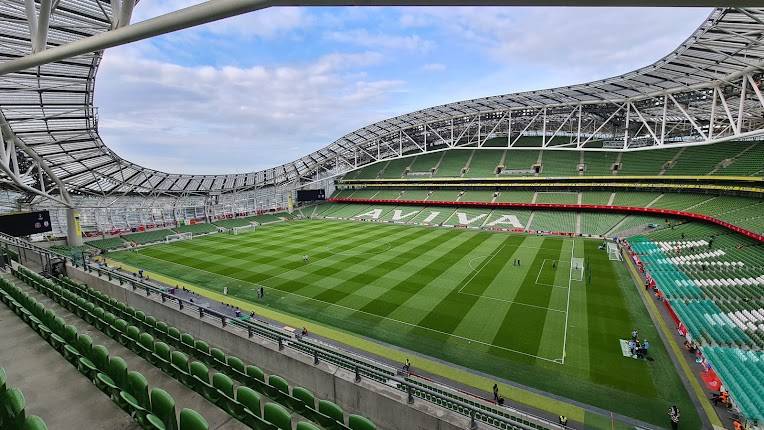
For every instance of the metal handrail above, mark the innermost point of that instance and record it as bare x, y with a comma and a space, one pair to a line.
506, 418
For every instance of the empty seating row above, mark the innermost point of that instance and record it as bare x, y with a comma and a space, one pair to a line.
13, 408
113, 317
109, 373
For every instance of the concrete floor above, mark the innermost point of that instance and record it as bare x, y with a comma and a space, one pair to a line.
184, 397
54, 390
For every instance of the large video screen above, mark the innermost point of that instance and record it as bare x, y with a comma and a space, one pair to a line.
25, 224
310, 195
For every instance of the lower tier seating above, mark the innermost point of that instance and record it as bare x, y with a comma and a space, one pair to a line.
243, 391
13, 408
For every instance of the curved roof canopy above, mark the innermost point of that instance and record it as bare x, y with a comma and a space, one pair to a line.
704, 91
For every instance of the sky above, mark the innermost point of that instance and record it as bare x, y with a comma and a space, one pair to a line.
265, 88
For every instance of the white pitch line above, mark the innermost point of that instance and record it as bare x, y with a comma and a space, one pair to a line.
486, 263
567, 306
513, 302
556, 361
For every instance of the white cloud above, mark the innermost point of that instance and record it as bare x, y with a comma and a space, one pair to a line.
222, 119
433, 67
266, 23
361, 37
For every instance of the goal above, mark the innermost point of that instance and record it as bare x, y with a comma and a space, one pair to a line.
242, 229
180, 236
577, 269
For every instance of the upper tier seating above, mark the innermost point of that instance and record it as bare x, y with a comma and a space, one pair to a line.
148, 236
723, 159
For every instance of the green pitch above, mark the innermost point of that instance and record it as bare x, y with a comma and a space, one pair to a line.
552, 322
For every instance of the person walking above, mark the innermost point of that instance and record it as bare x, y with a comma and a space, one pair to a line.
496, 393
673, 414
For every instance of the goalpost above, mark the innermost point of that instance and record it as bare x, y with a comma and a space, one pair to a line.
577, 269
242, 229
180, 236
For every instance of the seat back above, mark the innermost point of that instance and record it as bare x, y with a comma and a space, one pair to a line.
3, 381
202, 348
199, 370
133, 333
33, 422
162, 350
236, 364
163, 406
218, 355
357, 422
192, 420
250, 398
278, 416
331, 410
187, 339
304, 395
223, 383
13, 406
255, 373
179, 360
85, 345
118, 371
146, 340
101, 357
138, 387
304, 425
279, 383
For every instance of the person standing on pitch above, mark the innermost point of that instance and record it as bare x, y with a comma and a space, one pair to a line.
673, 414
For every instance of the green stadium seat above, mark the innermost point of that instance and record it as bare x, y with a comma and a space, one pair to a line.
201, 376
161, 356
114, 379
96, 361
357, 422
278, 416
179, 368
135, 399
304, 425
191, 420
13, 413
224, 394
34, 422
162, 416
332, 413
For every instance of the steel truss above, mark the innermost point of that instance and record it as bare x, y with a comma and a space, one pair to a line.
707, 90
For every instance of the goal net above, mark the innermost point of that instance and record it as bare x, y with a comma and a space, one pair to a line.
180, 236
577, 269
242, 229
612, 252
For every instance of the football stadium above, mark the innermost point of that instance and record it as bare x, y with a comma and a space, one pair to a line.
586, 256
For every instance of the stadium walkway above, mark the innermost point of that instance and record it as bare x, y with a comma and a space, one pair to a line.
54, 389
184, 397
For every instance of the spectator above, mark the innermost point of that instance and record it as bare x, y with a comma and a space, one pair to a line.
563, 420
496, 393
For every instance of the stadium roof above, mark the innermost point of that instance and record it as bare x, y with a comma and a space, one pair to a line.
50, 125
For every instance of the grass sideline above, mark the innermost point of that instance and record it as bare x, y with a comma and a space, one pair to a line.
451, 294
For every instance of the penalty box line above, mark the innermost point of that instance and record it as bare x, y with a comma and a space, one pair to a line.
551, 360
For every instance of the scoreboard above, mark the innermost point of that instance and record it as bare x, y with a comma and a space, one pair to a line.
26, 223
310, 195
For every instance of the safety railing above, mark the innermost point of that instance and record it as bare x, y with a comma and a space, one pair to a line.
445, 397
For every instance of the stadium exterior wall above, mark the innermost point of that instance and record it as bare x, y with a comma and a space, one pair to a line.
564, 207
384, 405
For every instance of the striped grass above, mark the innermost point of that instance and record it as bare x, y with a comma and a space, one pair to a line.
452, 294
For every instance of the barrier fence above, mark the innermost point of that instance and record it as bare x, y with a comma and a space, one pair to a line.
440, 395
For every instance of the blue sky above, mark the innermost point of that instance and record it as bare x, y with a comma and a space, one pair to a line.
265, 88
